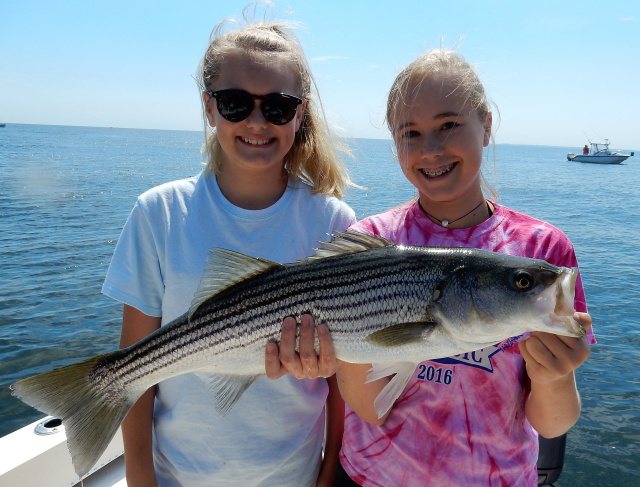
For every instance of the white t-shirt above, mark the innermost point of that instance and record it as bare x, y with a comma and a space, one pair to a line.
273, 435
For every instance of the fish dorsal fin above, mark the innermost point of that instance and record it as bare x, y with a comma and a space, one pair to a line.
349, 242
223, 269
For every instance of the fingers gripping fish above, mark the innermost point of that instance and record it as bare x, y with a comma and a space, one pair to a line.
389, 305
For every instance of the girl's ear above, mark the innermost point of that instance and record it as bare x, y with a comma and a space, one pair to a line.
209, 109
300, 114
487, 129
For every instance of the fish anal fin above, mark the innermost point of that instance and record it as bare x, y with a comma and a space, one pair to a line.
227, 389
223, 269
402, 334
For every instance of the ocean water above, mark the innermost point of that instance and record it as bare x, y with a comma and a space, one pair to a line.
65, 193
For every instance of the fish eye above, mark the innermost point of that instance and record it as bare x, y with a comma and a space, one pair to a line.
523, 280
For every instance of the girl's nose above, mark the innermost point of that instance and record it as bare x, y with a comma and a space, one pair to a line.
256, 118
433, 145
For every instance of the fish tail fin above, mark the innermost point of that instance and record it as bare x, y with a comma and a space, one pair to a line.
91, 410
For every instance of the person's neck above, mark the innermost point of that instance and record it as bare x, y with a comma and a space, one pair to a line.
252, 191
473, 212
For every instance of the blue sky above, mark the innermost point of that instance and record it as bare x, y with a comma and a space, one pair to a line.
559, 71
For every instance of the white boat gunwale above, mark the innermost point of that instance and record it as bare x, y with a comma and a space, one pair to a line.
29, 458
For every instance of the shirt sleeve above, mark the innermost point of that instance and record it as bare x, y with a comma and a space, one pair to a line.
345, 219
134, 276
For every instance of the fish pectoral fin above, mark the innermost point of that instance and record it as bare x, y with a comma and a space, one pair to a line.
226, 390
403, 372
402, 334
223, 269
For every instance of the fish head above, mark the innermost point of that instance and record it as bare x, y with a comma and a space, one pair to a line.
489, 296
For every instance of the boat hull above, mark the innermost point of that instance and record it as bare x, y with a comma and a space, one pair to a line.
605, 159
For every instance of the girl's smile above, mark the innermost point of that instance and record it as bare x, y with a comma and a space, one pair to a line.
256, 142
438, 172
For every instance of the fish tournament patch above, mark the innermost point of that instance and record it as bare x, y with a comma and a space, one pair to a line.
480, 358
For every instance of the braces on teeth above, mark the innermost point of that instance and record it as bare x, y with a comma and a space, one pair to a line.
438, 172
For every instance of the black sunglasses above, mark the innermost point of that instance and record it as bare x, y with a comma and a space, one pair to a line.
236, 105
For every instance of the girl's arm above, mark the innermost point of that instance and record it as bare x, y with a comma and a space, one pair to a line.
553, 404
137, 425
333, 440
358, 394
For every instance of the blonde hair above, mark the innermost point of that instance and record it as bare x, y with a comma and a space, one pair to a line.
313, 157
448, 63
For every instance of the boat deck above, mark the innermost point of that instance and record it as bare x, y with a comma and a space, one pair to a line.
31, 459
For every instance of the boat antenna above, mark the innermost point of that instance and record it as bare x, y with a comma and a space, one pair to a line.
600, 138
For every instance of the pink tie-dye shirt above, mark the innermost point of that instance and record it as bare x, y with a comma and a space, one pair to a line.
460, 421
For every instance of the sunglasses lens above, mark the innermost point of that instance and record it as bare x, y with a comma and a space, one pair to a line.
279, 109
237, 105
234, 105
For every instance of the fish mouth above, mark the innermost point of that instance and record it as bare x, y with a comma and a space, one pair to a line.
560, 319
565, 292
438, 172
256, 142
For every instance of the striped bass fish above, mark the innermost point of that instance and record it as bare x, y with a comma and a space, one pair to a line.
393, 306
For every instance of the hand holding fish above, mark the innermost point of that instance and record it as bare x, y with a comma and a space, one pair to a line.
305, 364
553, 405
552, 357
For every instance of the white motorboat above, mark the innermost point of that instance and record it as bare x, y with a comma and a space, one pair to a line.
599, 153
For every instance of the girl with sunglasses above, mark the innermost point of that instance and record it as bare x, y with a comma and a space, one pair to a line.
472, 419
271, 189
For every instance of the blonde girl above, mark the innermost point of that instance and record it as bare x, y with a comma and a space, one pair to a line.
471, 419
270, 189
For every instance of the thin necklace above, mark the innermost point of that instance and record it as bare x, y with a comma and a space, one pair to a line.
446, 223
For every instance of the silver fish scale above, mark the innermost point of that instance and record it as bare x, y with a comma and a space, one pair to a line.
355, 294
